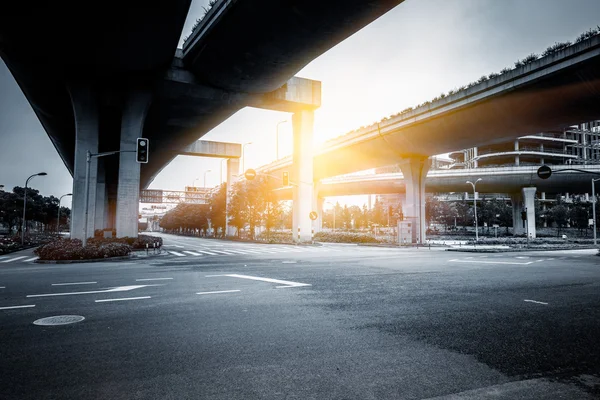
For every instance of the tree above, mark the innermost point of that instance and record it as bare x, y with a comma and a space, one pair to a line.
218, 208
346, 218
560, 215
377, 214
579, 216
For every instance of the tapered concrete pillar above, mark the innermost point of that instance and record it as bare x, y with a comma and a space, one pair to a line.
516, 200
85, 110
302, 175
528, 194
233, 170
128, 192
415, 171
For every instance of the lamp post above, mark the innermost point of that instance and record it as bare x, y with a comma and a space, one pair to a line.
194, 182
594, 208
58, 218
244, 155
25, 205
475, 207
205, 172
277, 139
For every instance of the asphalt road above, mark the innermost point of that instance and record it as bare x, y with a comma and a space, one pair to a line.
250, 321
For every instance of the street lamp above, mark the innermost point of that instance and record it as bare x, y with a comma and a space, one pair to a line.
244, 155
194, 182
594, 207
277, 138
205, 172
58, 219
25, 206
475, 207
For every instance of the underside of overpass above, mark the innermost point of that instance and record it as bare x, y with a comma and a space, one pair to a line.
98, 75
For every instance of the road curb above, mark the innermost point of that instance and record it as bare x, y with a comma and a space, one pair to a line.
517, 250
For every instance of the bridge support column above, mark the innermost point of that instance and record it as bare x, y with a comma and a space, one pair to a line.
415, 171
529, 202
85, 110
233, 170
521, 201
128, 192
318, 203
302, 175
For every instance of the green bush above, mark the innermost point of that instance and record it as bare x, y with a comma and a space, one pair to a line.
276, 237
72, 249
135, 243
344, 237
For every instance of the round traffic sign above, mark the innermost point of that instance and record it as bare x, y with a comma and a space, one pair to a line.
250, 174
313, 215
544, 172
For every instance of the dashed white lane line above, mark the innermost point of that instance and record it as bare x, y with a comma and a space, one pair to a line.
13, 259
153, 279
177, 254
2, 287
222, 252
285, 284
123, 299
536, 302
73, 283
15, 307
31, 259
192, 253
219, 291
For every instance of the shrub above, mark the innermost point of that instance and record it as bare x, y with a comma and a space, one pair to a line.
276, 237
13, 243
72, 249
344, 237
135, 243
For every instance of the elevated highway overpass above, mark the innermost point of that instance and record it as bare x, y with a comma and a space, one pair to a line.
553, 92
98, 75
521, 183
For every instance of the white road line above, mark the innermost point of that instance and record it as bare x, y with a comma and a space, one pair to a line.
219, 291
31, 259
250, 251
123, 299
13, 307
173, 245
285, 284
153, 279
208, 253
192, 253
222, 252
492, 262
3, 257
536, 302
236, 251
2, 287
73, 283
177, 254
13, 259
115, 289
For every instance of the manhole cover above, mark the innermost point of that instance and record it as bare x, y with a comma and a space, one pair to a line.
59, 320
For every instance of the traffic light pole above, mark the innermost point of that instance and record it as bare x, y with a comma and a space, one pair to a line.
87, 185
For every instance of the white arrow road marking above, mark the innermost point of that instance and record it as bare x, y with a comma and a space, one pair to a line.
536, 302
285, 284
123, 299
116, 289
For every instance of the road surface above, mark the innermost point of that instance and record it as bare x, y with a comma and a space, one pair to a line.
212, 319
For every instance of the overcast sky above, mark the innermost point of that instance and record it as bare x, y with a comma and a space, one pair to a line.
418, 50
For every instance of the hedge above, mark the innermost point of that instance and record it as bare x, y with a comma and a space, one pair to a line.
135, 243
276, 237
72, 249
344, 237
10, 244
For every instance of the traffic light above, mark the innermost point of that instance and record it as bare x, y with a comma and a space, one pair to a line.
286, 178
524, 215
141, 151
